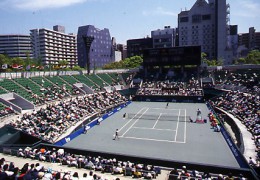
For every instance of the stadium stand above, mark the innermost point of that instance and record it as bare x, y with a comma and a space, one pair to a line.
2, 91
11, 86
191, 88
59, 82
97, 80
69, 79
50, 122
108, 79
5, 111
87, 81
100, 166
245, 107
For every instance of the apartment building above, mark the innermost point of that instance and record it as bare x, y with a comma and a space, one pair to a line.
52, 46
16, 45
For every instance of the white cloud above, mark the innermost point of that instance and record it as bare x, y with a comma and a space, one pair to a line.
38, 4
247, 8
159, 11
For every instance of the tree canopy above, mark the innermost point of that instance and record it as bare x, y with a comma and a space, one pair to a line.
253, 57
212, 62
128, 63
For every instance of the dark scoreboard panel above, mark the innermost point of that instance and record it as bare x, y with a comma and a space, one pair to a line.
188, 55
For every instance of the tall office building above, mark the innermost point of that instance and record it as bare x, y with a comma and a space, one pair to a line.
16, 45
94, 47
207, 24
52, 46
163, 37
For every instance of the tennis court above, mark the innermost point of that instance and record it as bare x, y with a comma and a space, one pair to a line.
156, 124
150, 129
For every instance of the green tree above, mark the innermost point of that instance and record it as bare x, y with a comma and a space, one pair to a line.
240, 61
114, 65
204, 57
212, 62
253, 57
3, 59
63, 63
18, 61
77, 68
133, 62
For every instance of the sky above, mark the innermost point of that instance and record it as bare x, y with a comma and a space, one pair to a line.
125, 19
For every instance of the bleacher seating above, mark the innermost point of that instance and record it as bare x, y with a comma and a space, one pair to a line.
182, 173
29, 85
5, 111
70, 79
59, 82
114, 76
42, 82
105, 77
97, 80
2, 91
97, 164
86, 81
127, 77
13, 87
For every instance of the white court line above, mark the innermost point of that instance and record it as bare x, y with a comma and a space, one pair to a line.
135, 122
167, 109
148, 139
185, 128
177, 126
153, 129
131, 119
157, 120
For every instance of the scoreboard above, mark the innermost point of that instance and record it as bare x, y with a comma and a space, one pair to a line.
187, 55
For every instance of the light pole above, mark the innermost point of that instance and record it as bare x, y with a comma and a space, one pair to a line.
88, 41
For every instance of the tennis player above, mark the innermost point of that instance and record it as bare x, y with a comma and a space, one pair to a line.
116, 135
167, 105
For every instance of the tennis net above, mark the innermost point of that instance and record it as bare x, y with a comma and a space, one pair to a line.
158, 116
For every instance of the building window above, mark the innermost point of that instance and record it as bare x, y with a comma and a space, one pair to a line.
206, 17
184, 19
196, 18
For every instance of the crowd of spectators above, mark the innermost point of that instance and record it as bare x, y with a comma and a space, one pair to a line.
184, 173
51, 122
93, 164
52, 93
33, 171
244, 106
171, 88
236, 79
114, 166
98, 167
5, 111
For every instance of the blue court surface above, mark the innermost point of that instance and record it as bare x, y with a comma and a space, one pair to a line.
155, 130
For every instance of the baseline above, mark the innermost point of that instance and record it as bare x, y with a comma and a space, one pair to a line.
148, 139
